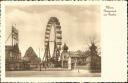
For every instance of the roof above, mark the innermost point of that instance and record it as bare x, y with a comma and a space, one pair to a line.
8, 47
74, 55
30, 55
14, 48
77, 54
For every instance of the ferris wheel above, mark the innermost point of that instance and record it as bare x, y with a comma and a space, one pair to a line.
53, 23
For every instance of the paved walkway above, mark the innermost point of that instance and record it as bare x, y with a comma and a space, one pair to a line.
51, 69
73, 73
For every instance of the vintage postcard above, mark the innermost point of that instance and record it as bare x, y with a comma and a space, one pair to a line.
61, 41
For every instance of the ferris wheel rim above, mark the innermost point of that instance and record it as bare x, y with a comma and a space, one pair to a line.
53, 21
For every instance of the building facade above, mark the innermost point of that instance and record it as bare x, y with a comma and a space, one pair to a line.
89, 60
13, 57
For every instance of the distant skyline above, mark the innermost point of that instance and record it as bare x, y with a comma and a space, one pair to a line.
78, 24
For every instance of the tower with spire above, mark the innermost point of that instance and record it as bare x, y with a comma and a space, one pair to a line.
64, 56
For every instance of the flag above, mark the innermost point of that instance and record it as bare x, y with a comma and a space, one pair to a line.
14, 33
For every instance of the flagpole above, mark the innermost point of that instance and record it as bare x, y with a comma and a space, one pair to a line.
12, 35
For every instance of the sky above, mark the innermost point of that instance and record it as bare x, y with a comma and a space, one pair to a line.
78, 24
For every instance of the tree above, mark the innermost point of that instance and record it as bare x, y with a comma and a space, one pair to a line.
95, 65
